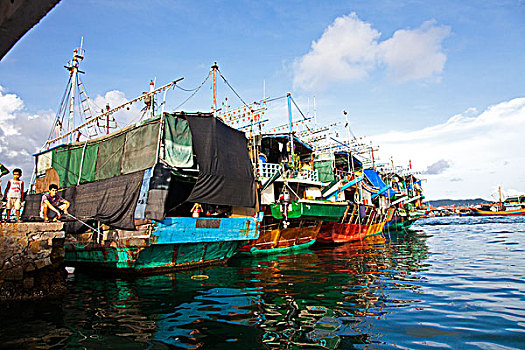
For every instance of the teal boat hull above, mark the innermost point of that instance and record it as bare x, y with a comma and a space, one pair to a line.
174, 243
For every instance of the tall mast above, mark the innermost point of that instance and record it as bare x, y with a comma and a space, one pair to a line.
214, 69
349, 141
500, 201
78, 56
290, 127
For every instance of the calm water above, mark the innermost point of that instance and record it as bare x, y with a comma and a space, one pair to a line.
450, 283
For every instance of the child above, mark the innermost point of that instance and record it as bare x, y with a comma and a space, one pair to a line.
53, 204
13, 194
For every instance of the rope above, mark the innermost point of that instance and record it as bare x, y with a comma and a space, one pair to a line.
235, 92
187, 90
194, 91
296, 106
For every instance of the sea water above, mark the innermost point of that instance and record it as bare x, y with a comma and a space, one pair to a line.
456, 282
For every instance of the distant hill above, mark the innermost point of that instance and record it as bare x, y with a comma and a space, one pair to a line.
457, 202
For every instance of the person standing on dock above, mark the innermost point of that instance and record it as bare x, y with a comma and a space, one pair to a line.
14, 192
53, 205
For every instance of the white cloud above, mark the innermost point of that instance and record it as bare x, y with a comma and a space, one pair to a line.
21, 134
415, 54
114, 99
346, 51
484, 151
349, 49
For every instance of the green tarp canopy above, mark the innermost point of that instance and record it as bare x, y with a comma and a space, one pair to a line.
325, 170
123, 152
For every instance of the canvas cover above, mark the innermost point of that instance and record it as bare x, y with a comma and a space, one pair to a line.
178, 150
111, 201
225, 168
123, 152
75, 164
325, 170
375, 180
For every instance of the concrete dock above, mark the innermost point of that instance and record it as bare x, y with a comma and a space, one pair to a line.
31, 260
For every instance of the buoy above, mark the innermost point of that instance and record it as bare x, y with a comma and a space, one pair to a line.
199, 277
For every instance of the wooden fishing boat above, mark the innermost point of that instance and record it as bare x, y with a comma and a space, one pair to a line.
511, 206
132, 190
479, 212
369, 221
291, 199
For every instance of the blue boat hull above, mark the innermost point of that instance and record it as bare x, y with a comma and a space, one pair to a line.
174, 243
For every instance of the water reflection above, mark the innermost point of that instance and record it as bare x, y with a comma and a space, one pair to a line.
327, 298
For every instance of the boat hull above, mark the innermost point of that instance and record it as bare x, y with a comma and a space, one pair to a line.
155, 258
311, 210
337, 233
478, 212
274, 241
174, 243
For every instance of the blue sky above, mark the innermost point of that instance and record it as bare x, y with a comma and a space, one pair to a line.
398, 67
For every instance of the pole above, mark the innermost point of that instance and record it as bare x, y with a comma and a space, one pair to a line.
73, 73
290, 125
214, 73
82, 222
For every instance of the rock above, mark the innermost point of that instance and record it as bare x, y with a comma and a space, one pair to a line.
34, 246
42, 263
30, 267
14, 274
29, 282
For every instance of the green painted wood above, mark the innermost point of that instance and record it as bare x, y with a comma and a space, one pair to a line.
311, 210
255, 251
154, 257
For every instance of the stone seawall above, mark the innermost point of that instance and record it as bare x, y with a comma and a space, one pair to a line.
31, 260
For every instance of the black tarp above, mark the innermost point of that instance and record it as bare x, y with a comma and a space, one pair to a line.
110, 201
159, 186
225, 168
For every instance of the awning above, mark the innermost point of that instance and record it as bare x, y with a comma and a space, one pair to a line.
380, 187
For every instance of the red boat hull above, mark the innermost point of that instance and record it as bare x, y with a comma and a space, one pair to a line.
337, 233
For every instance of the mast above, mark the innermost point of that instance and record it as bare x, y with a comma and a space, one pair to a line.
349, 141
72, 67
214, 69
290, 124
500, 202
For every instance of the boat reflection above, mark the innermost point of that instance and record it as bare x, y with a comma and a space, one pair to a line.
327, 298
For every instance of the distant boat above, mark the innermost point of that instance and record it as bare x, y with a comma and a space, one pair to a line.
511, 206
480, 212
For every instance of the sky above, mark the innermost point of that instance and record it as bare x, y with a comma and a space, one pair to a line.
436, 83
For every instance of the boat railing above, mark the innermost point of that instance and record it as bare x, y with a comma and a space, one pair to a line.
268, 169
308, 174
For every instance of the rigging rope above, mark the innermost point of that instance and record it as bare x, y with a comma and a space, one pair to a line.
235, 92
194, 91
296, 106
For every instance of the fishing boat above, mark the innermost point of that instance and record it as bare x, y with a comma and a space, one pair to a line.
407, 201
366, 211
511, 206
133, 189
290, 194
